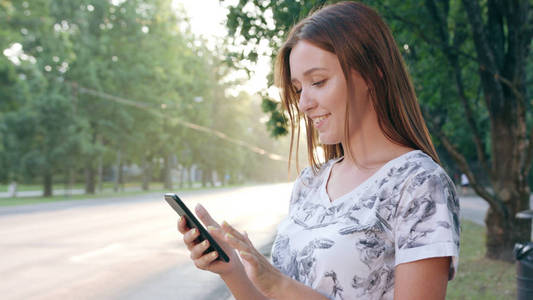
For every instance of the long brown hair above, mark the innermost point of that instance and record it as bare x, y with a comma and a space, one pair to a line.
362, 41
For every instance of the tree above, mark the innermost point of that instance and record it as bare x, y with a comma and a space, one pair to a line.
38, 128
89, 87
473, 50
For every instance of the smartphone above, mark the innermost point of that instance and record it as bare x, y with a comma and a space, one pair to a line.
192, 222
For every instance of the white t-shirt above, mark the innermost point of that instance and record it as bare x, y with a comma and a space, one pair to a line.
347, 249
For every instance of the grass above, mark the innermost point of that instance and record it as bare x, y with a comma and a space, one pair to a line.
34, 200
479, 277
39, 187
155, 188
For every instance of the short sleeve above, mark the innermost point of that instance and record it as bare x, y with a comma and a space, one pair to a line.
427, 220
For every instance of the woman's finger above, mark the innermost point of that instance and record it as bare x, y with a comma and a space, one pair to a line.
236, 243
190, 236
198, 250
229, 229
250, 258
247, 240
204, 261
204, 216
217, 233
182, 225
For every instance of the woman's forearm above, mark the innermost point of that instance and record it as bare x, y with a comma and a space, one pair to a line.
295, 290
241, 287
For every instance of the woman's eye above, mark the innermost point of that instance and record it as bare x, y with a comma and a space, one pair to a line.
319, 83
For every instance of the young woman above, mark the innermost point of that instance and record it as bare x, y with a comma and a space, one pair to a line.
378, 219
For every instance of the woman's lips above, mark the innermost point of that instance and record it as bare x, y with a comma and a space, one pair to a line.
319, 121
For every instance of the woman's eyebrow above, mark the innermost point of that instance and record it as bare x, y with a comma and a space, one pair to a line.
309, 71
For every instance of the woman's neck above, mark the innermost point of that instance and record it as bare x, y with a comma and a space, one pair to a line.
371, 148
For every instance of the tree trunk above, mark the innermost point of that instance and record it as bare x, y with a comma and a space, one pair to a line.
70, 181
121, 179
100, 173
47, 182
183, 173
190, 176
117, 176
167, 175
90, 175
511, 188
147, 174
204, 178
212, 178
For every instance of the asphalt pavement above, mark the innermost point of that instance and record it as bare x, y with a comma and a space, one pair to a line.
126, 248
474, 208
129, 248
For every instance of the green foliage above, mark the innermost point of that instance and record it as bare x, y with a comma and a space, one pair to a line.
417, 33
59, 113
277, 125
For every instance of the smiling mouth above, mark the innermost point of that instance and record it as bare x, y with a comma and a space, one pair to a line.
319, 120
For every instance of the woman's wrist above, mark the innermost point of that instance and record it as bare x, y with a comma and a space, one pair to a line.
295, 290
236, 272
240, 285
284, 285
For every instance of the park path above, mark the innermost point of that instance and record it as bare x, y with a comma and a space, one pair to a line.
474, 208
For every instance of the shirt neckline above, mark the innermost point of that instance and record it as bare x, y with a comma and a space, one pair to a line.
367, 181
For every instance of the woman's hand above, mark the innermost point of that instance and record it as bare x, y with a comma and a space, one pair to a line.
207, 261
266, 278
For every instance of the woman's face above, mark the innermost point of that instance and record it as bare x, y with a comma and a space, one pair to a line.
317, 76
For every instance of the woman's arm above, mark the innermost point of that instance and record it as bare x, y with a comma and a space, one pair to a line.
233, 272
241, 287
292, 289
268, 280
422, 279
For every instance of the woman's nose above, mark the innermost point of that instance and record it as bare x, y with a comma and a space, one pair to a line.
305, 103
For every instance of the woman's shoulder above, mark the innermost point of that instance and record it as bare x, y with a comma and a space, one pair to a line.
428, 168
415, 164
428, 180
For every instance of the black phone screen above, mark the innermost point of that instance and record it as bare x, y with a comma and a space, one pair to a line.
192, 222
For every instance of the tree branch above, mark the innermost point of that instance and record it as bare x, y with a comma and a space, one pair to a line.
442, 24
452, 48
390, 13
461, 161
488, 66
529, 155
484, 51
519, 96
458, 40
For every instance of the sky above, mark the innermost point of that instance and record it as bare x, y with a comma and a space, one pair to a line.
207, 18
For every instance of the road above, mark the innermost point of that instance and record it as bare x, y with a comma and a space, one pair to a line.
129, 248
123, 248
474, 208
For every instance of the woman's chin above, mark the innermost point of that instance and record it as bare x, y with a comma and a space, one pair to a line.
326, 139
